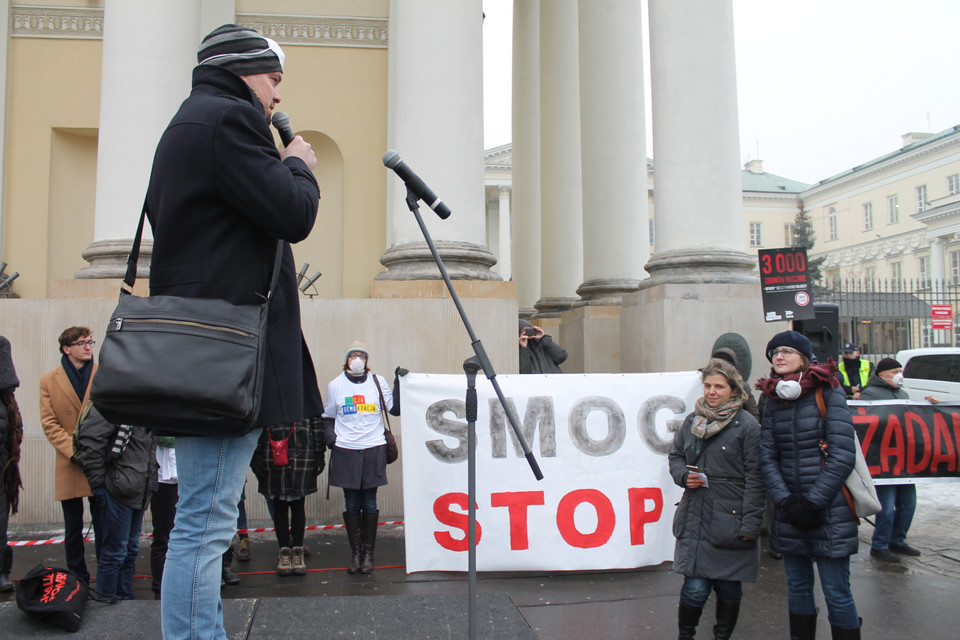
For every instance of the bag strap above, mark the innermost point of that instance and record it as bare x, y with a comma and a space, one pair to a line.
823, 448
383, 404
130, 278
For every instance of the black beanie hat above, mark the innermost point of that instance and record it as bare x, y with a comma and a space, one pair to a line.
8, 375
792, 339
240, 50
888, 363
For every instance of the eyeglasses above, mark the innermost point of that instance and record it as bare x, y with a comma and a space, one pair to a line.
84, 343
782, 351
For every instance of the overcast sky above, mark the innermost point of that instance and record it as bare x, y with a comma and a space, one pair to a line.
823, 85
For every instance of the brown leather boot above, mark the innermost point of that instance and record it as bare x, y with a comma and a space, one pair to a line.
369, 529
352, 523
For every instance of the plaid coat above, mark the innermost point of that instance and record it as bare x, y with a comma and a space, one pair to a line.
305, 460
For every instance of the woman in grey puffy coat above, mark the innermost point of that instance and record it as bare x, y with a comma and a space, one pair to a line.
812, 521
715, 457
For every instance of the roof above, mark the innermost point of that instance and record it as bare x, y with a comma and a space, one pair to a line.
769, 183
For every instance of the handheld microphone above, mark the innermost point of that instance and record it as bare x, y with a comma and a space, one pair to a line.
282, 123
391, 160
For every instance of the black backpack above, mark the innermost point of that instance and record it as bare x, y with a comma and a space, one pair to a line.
53, 594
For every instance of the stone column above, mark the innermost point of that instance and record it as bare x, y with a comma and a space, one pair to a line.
561, 198
5, 48
435, 122
700, 284
503, 231
149, 48
525, 245
616, 241
696, 148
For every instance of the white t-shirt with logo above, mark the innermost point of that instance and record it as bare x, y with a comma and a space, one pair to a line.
356, 408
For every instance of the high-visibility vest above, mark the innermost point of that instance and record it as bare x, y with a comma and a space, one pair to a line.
864, 373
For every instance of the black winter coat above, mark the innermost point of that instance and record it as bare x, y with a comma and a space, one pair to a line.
542, 356
131, 477
711, 522
793, 465
305, 460
218, 201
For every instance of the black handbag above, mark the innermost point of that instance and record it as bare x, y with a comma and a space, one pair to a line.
53, 595
184, 366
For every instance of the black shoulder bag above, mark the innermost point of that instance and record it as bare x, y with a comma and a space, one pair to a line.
184, 366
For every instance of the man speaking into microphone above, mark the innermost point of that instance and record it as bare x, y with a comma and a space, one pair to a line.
220, 197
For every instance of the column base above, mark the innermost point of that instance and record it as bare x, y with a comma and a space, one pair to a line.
414, 261
605, 292
108, 259
672, 327
553, 307
700, 266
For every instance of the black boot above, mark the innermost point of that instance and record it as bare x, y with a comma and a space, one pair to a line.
351, 522
687, 619
846, 634
803, 627
228, 576
369, 528
727, 613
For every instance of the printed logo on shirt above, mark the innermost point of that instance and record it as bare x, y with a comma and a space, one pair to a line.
357, 404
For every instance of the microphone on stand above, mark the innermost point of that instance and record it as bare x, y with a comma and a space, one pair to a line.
282, 123
391, 160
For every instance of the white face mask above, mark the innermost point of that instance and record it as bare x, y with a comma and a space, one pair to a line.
789, 389
357, 365
897, 380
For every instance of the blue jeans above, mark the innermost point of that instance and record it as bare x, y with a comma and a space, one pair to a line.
120, 528
695, 591
357, 500
899, 502
834, 581
211, 472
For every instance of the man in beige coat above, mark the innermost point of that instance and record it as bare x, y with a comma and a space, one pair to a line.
63, 393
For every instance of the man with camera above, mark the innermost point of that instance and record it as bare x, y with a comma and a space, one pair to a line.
538, 352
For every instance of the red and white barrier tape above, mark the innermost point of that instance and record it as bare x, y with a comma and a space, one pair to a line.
316, 527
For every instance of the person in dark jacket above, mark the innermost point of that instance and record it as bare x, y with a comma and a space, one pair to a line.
120, 463
220, 198
538, 352
716, 459
287, 462
899, 501
749, 403
812, 520
11, 435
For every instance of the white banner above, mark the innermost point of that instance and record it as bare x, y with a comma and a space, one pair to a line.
606, 500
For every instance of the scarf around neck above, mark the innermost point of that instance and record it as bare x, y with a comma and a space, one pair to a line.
709, 421
813, 376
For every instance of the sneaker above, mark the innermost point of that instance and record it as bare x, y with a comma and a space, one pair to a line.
229, 577
243, 549
884, 555
904, 549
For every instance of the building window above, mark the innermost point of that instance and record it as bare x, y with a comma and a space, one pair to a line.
893, 205
756, 235
650, 228
896, 276
789, 235
921, 198
832, 224
955, 267
953, 184
924, 265
867, 216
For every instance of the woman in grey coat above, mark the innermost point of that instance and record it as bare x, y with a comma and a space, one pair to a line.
715, 458
812, 521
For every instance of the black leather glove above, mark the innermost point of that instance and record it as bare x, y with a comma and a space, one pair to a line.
802, 514
399, 372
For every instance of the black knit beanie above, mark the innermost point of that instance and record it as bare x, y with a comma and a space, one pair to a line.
792, 339
240, 50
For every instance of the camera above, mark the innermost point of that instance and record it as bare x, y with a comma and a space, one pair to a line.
530, 332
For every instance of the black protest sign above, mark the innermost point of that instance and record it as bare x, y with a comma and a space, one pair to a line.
785, 286
909, 440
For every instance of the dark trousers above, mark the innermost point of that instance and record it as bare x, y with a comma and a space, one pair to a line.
6, 553
289, 531
73, 535
163, 509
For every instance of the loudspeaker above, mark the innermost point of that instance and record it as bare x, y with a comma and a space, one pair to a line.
823, 331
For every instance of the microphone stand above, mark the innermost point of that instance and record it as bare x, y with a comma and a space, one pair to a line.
471, 367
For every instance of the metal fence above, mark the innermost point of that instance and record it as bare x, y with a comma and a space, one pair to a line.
885, 316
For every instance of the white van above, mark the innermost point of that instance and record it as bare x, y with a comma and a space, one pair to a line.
933, 371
